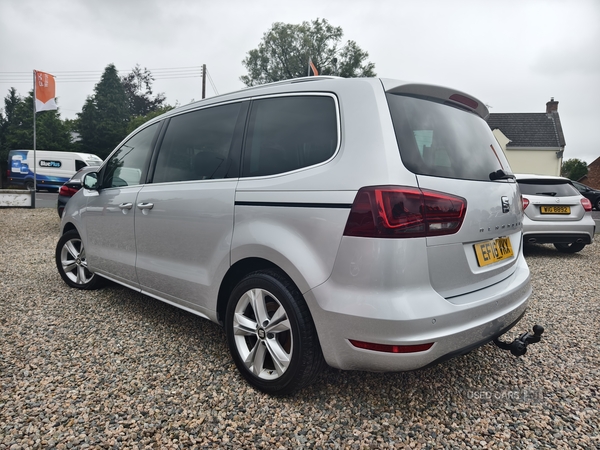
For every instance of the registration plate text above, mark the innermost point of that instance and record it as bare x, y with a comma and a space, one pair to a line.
555, 209
492, 251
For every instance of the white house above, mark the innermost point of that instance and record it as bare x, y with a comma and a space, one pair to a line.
532, 142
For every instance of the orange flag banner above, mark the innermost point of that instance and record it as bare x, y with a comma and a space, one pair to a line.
45, 92
313, 68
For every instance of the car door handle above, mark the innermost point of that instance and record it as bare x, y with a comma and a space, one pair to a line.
145, 205
126, 205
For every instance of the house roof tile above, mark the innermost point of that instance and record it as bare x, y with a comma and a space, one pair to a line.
529, 129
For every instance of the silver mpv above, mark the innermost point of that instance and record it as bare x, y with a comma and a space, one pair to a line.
369, 224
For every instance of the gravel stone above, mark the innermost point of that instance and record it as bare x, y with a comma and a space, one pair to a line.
114, 369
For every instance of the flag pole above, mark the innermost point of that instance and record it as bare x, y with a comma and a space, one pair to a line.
34, 144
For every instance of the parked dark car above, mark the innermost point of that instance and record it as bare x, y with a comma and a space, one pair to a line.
590, 193
70, 188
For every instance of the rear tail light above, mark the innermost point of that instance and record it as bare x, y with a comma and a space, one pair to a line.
391, 348
404, 212
67, 191
525, 202
587, 204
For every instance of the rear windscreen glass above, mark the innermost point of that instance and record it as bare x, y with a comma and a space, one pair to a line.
550, 188
441, 140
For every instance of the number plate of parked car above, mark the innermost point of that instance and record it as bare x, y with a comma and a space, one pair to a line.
555, 209
490, 252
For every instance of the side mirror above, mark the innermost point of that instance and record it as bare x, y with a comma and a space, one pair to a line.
90, 181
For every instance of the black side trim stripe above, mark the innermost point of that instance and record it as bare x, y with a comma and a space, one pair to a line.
297, 205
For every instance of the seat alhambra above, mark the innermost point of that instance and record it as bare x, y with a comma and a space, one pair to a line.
369, 224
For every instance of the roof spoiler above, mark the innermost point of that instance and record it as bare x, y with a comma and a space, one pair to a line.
438, 92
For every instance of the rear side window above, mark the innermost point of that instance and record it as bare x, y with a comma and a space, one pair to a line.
196, 145
288, 133
551, 188
441, 140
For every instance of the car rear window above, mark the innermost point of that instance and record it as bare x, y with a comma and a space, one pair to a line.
441, 140
551, 188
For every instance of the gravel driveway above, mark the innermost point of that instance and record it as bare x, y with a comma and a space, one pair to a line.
115, 369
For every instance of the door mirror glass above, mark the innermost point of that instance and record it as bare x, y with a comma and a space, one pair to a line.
90, 181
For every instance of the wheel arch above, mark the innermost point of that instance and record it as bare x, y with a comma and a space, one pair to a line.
68, 227
235, 274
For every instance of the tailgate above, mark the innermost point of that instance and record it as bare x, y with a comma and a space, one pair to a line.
485, 249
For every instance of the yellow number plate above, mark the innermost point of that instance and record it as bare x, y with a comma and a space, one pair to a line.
489, 252
555, 209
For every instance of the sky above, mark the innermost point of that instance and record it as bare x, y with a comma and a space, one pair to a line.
514, 55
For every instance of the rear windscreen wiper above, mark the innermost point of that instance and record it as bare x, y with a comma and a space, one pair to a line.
500, 175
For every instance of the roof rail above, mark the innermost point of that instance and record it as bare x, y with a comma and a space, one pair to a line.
293, 80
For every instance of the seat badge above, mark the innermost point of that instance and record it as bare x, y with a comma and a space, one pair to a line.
505, 204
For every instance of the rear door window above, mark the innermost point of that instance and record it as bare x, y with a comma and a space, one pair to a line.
442, 140
289, 133
197, 145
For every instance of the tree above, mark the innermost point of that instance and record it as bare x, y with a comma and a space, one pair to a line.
6, 120
16, 128
574, 169
140, 120
138, 88
102, 122
285, 50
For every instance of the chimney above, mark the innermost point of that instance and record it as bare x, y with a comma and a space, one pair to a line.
551, 106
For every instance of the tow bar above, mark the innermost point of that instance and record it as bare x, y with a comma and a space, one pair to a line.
518, 347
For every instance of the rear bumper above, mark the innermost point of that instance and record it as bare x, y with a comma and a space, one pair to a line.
557, 238
425, 318
469, 348
563, 232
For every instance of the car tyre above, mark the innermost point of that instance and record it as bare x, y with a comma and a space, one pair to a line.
271, 334
29, 185
597, 204
72, 264
569, 248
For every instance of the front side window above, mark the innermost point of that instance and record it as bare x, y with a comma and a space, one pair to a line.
442, 140
288, 133
79, 164
126, 166
197, 145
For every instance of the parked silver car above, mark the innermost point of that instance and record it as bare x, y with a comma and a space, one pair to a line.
370, 224
555, 213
